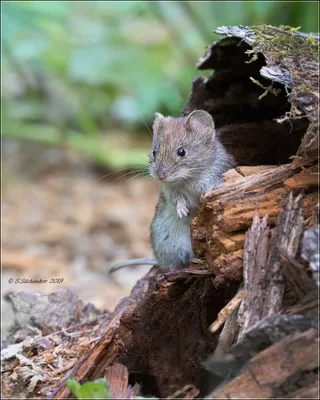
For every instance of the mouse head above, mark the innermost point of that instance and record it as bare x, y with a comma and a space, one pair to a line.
182, 148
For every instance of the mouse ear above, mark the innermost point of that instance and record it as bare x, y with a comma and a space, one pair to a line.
158, 115
157, 122
201, 122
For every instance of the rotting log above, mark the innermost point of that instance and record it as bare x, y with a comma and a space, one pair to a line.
265, 105
218, 232
143, 320
162, 350
262, 77
155, 344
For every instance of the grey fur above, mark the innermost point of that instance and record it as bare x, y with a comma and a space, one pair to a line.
188, 177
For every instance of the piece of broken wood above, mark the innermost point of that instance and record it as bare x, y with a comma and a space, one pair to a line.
117, 376
263, 276
274, 372
228, 335
227, 310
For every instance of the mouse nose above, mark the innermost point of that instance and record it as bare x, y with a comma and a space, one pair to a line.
162, 174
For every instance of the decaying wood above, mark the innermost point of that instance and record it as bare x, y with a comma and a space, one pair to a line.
297, 276
310, 391
218, 232
225, 313
290, 275
265, 375
255, 275
245, 57
94, 363
268, 332
262, 269
145, 316
155, 345
187, 392
308, 305
228, 334
117, 376
304, 179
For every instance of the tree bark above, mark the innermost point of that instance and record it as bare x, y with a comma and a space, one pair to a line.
266, 377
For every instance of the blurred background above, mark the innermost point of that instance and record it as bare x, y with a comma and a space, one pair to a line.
81, 82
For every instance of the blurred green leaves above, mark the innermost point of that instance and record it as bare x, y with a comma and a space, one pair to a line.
98, 389
90, 67
94, 148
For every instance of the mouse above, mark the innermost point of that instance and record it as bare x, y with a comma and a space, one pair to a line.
188, 160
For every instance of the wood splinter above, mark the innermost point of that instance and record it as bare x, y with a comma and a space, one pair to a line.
226, 311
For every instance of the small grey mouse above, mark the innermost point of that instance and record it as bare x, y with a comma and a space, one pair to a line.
189, 160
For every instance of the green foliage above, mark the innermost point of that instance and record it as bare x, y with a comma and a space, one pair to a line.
98, 389
92, 66
287, 42
92, 147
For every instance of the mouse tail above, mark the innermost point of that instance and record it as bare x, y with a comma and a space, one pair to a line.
137, 261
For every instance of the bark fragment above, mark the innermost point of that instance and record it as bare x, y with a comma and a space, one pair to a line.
267, 374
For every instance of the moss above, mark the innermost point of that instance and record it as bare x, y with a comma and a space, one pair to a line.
268, 89
286, 48
284, 42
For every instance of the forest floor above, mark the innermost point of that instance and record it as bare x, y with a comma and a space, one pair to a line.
60, 220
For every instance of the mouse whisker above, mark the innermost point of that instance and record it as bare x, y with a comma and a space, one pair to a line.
125, 139
147, 127
135, 176
112, 173
128, 173
136, 169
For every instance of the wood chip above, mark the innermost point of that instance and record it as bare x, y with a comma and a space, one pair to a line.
225, 313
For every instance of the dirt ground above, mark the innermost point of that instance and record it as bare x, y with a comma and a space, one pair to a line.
61, 221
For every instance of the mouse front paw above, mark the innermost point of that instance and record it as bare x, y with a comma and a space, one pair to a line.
182, 209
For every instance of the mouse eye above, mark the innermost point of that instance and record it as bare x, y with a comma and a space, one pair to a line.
181, 152
154, 153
